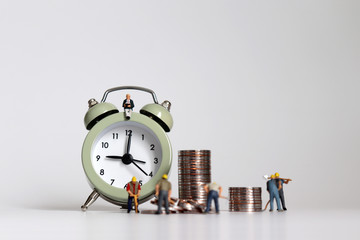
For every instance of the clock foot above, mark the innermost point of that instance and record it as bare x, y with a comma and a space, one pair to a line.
91, 199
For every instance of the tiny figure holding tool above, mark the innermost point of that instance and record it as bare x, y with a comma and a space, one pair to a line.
163, 193
279, 184
133, 188
273, 190
128, 106
213, 191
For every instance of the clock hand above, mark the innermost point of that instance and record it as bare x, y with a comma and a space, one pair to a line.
121, 157
139, 168
114, 157
129, 143
135, 160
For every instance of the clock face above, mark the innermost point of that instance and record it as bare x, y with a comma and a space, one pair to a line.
126, 149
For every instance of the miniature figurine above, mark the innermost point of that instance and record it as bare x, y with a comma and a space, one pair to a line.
133, 188
274, 193
213, 191
128, 106
163, 192
279, 183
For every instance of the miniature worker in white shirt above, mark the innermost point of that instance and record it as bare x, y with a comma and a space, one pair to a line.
214, 192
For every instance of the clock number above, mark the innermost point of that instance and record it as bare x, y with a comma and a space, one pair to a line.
115, 136
104, 144
128, 132
151, 174
112, 181
152, 147
143, 137
156, 160
102, 172
125, 186
97, 157
140, 182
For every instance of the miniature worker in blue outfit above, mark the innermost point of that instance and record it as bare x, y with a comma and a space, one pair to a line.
214, 192
128, 106
272, 188
279, 183
163, 192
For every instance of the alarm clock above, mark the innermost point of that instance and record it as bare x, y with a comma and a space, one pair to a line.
118, 148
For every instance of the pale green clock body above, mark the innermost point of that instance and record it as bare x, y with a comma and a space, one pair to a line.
142, 125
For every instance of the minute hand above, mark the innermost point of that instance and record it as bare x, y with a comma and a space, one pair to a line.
128, 144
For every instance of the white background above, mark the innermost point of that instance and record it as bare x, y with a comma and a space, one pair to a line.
267, 86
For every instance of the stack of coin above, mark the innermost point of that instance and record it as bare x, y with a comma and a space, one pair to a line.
245, 199
194, 172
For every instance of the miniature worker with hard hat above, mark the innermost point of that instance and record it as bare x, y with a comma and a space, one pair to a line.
133, 188
273, 190
279, 183
213, 191
163, 192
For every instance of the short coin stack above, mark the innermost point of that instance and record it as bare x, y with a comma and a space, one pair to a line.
245, 199
194, 172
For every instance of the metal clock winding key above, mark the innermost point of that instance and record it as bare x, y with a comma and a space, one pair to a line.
119, 147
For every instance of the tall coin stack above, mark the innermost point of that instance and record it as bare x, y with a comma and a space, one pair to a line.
245, 199
194, 172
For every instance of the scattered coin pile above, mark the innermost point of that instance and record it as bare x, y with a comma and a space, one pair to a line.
245, 199
179, 206
194, 171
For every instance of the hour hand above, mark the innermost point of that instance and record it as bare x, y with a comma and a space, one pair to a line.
114, 157
121, 157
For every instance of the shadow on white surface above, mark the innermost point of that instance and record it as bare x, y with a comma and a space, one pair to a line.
102, 222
